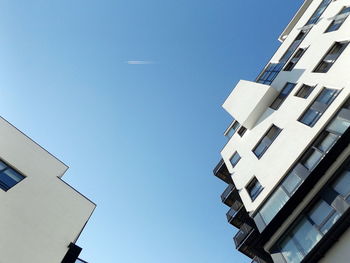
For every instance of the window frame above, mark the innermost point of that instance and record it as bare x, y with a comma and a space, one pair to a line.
338, 20
308, 92
268, 140
328, 60
233, 164
253, 183
282, 96
5, 179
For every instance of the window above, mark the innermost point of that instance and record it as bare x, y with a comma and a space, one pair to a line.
304, 166
331, 56
242, 131
339, 20
318, 107
282, 96
266, 141
304, 91
235, 159
297, 56
8, 177
270, 73
293, 46
232, 129
319, 11
254, 188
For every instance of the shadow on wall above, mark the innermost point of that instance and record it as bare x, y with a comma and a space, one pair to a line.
278, 84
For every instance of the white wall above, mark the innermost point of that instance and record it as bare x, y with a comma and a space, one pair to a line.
40, 215
295, 136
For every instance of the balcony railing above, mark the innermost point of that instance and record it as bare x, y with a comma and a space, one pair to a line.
221, 172
243, 233
229, 196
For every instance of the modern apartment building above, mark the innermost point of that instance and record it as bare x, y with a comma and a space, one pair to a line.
41, 215
287, 159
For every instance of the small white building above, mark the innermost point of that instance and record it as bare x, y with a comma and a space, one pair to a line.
41, 215
287, 159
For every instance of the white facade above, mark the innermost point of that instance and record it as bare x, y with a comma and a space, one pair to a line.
41, 215
249, 105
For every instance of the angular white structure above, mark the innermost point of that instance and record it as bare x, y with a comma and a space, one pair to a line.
41, 215
287, 159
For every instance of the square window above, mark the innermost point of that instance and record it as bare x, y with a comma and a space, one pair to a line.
304, 91
254, 188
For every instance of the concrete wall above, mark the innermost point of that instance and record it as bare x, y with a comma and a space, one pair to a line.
40, 215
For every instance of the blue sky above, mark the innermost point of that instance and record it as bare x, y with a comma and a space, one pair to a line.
141, 140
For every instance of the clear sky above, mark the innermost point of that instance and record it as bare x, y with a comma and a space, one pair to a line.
141, 139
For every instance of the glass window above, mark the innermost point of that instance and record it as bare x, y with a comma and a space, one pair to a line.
332, 55
330, 222
339, 125
326, 141
242, 131
254, 188
320, 212
304, 91
273, 205
291, 182
231, 131
319, 11
339, 20
311, 115
342, 185
269, 73
295, 59
290, 251
312, 158
266, 141
306, 235
235, 159
9, 178
287, 89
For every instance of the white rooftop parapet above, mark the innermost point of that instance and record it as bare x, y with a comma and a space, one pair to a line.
248, 101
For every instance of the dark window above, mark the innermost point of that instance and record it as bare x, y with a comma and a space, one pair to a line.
331, 56
319, 11
242, 131
294, 60
235, 159
293, 46
282, 96
339, 20
232, 129
304, 91
266, 141
318, 107
254, 188
8, 177
270, 73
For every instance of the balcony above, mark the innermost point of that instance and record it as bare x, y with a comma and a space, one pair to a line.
248, 101
230, 195
222, 173
237, 214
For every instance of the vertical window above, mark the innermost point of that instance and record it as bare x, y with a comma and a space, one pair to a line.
293, 46
266, 141
332, 55
294, 60
304, 91
319, 11
270, 73
318, 107
235, 159
8, 177
232, 129
339, 20
254, 188
282, 96
242, 131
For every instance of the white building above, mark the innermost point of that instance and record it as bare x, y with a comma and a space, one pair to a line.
41, 215
287, 159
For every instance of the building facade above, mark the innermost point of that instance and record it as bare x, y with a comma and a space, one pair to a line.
41, 215
287, 159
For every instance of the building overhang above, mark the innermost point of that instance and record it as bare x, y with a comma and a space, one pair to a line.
248, 101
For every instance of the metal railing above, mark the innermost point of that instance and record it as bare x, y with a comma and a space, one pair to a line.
242, 234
